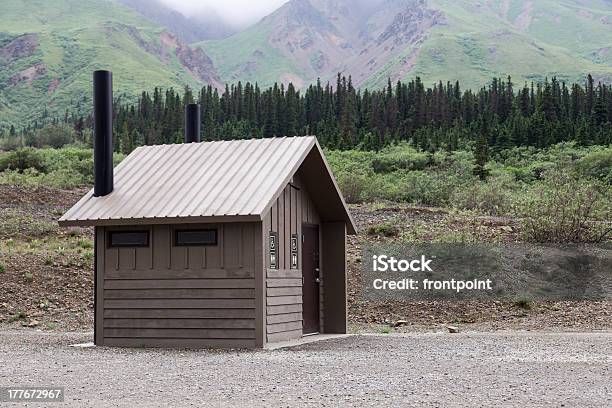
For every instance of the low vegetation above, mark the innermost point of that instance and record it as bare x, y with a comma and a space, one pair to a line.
560, 194
386, 229
67, 167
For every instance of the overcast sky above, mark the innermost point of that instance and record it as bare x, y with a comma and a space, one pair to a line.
235, 12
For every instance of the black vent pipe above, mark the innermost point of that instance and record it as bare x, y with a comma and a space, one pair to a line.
103, 132
192, 123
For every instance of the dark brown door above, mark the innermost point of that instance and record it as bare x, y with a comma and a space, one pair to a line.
310, 274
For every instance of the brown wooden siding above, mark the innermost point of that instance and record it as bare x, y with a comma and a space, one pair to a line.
293, 208
284, 304
165, 295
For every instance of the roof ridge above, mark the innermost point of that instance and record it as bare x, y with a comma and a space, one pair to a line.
173, 183
252, 139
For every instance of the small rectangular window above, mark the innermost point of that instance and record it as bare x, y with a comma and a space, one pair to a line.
128, 239
207, 237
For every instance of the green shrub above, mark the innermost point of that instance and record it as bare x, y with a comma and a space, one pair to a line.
523, 302
427, 188
10, 143
2, 268
68, 167
494, 197
85, 243
353, 187
54, 136
17, 316
401, 157
22, 159
564, 208
386, 229
597, 165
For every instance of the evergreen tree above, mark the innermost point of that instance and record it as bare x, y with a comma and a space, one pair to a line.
481, 151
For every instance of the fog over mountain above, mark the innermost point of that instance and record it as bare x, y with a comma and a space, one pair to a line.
48, 49
377, 40
235, 13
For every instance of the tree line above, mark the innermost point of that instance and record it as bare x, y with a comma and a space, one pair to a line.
442, 116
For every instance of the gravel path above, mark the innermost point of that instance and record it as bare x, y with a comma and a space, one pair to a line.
435, 369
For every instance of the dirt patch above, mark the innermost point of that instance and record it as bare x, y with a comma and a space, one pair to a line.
199, 64
48, 271
21, 47
39, 195
46, 280
424, 224
30, 74
168, 40
195, 60
53, 85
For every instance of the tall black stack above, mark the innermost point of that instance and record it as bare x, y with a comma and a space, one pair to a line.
103, 132
192, 123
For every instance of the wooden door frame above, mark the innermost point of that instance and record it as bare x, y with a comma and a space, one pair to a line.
317, 227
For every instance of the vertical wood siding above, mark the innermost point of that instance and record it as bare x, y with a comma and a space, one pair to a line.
292, 208
165, 295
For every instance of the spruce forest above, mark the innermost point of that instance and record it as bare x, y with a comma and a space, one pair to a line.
443, 116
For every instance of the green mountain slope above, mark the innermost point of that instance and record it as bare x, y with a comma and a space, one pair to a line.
466, 40
48, 50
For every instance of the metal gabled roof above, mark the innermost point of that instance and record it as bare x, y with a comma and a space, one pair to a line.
211, 181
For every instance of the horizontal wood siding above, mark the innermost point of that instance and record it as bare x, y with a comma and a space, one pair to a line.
181, 333
180, 323
178, 342
166, 295
179, 303
284, 304
179, 293
179, 313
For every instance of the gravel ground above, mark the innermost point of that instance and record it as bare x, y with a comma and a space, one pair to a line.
428, 369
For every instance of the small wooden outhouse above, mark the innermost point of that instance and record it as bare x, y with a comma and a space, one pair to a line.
218, 244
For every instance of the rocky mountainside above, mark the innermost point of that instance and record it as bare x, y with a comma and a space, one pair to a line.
48, 51
466, 40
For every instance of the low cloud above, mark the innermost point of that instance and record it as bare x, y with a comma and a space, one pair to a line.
237, 13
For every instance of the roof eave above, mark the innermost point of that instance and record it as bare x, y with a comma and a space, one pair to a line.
351, 228
160, 220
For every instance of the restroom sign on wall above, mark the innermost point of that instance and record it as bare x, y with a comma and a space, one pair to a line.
294, 251
273, 250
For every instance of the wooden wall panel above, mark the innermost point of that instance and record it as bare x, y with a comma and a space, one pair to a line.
182, 343
289, 212
284, 304
166, 295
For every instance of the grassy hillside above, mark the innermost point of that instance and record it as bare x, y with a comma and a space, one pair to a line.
48, 50
471, 42
247, 56
529, 40
478, 42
